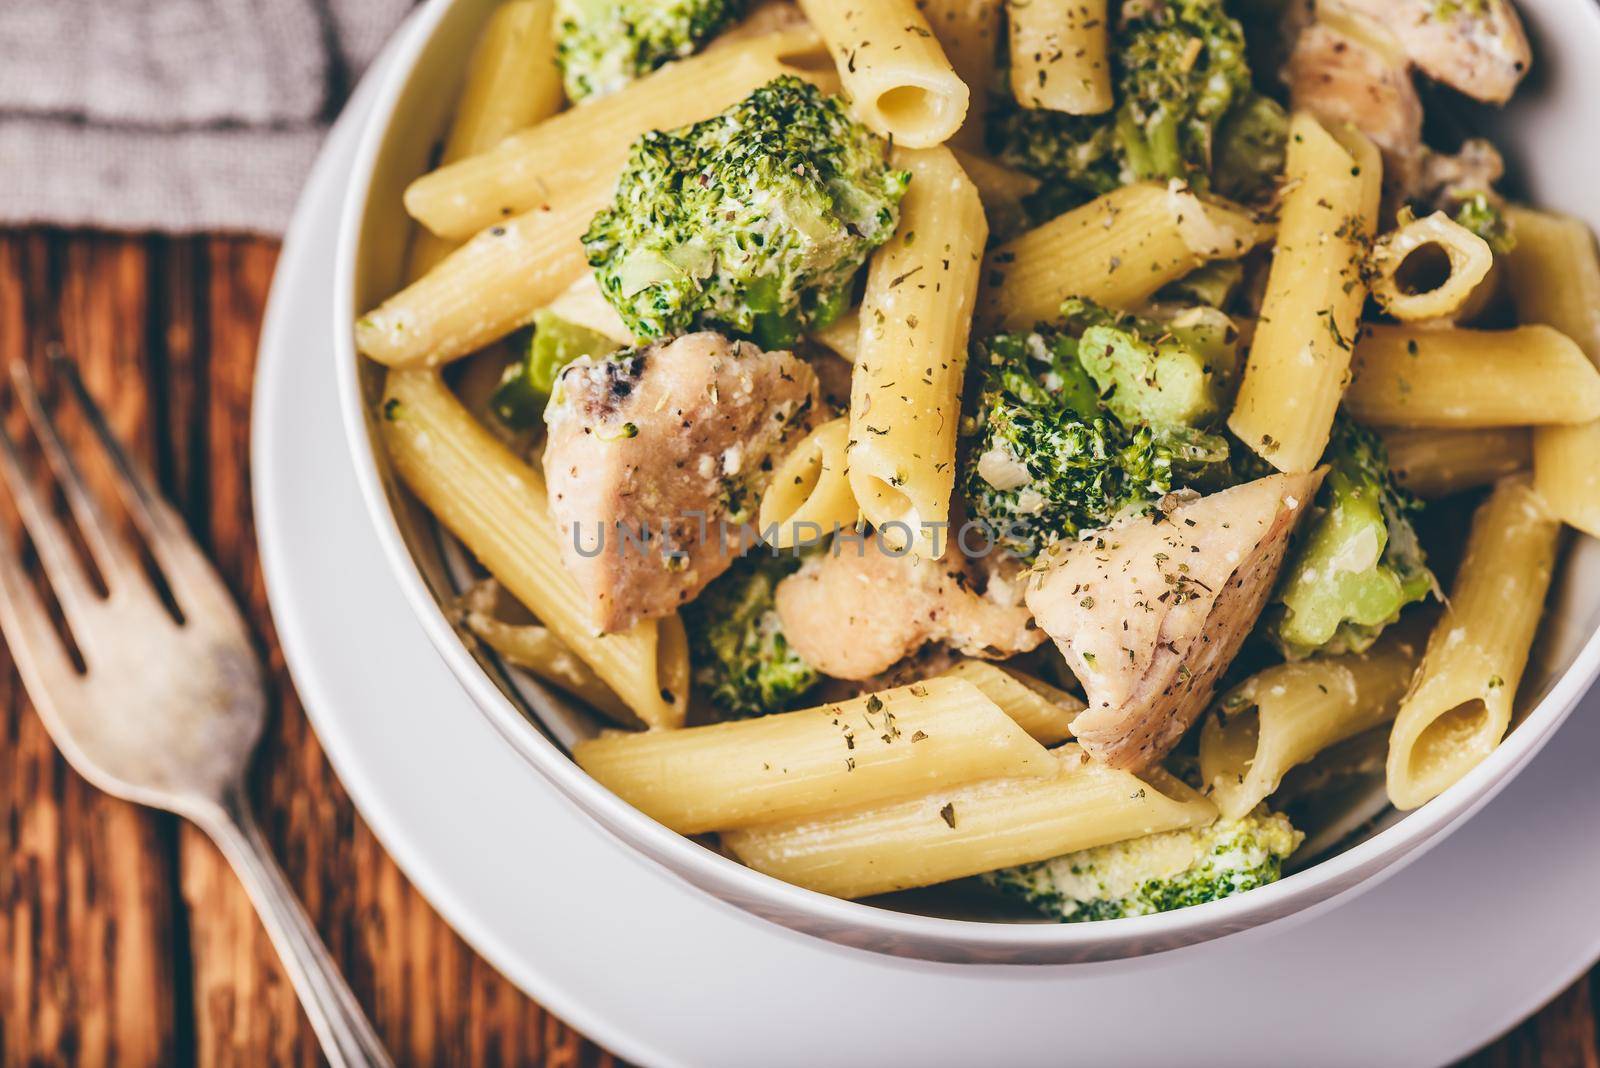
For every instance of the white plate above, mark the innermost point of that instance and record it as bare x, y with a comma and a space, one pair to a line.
1435, 962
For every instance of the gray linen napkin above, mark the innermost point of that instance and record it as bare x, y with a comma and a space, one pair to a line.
178, 115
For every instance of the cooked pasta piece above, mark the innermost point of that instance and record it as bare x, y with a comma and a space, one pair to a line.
1554, 277
1285, 715
905, 392
536, 648
1116, 250
809, 496
898, 78
1307, 329
483, 290
496, 505
793, 765
1002, 191
1451, 377
1059, 55
1438, 463
1402, 257
512, 82
1461, 704
842, 337
582, 304
969, 33
1045, 712
956, 831
577, 154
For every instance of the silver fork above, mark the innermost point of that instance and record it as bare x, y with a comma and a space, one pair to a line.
168, 708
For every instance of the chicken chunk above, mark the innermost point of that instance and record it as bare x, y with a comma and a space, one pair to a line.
858, 609
1343, 72
1476, 46
650, 454
1150, 612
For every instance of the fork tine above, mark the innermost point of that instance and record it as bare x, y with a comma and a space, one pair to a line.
66, 575
189, 575
110, 553
31, 638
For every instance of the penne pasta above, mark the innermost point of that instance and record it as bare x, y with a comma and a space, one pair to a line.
874, 748
483, 290
957, 831
582, 304
1406, 376
1306, 332
905, 391
1402, 256
1117, 250
1284, 716
1059, 55
496, 505
809, 496
898, 78
969, 33
1002, 191
1554, 277
1045, 712
842, 337
1461, 704
1438, 463
578, 153
512, 82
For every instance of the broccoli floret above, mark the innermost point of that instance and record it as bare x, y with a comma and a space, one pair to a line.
1481, 213
520, 397
755, 221
741, 659
1048, 456
602, 45
1156, 873
1358, 561
1163, 373
1252, 145
1214, 284
1181, 68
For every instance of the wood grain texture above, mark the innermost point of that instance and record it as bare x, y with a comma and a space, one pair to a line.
124, 938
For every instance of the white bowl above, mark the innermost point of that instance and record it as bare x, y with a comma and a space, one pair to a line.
1549, 134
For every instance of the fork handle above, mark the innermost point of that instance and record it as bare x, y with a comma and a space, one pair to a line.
347, 1037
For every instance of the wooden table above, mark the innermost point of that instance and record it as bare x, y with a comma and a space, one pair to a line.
124, 938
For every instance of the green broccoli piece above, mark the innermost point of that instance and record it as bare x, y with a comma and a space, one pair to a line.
742, 662
1156, 873
1481, 213
755, 221
1047, 458
1214, 284
602, 45
1171, 373
1180, 69
1252, 145
520, 397
1357, 562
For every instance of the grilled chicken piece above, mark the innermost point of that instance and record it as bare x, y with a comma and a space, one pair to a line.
1150, 612
1476, 167
858, 610
1476, 46
1346, 72
649, 454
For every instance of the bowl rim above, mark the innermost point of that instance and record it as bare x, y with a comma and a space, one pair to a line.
1293, 897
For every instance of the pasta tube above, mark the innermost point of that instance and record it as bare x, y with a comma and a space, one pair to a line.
483, 290
956, 831
809, 495
1461, 704
842, 337
512, 82
797, 764
1282, 717
1045, 712
905, 391
1307, 329
969, 33
1059, 55
496, 505
579, 152
1438, 463
1002, 191
1555, 279
1117, 249
897, 77
1404, 249
1451, 377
